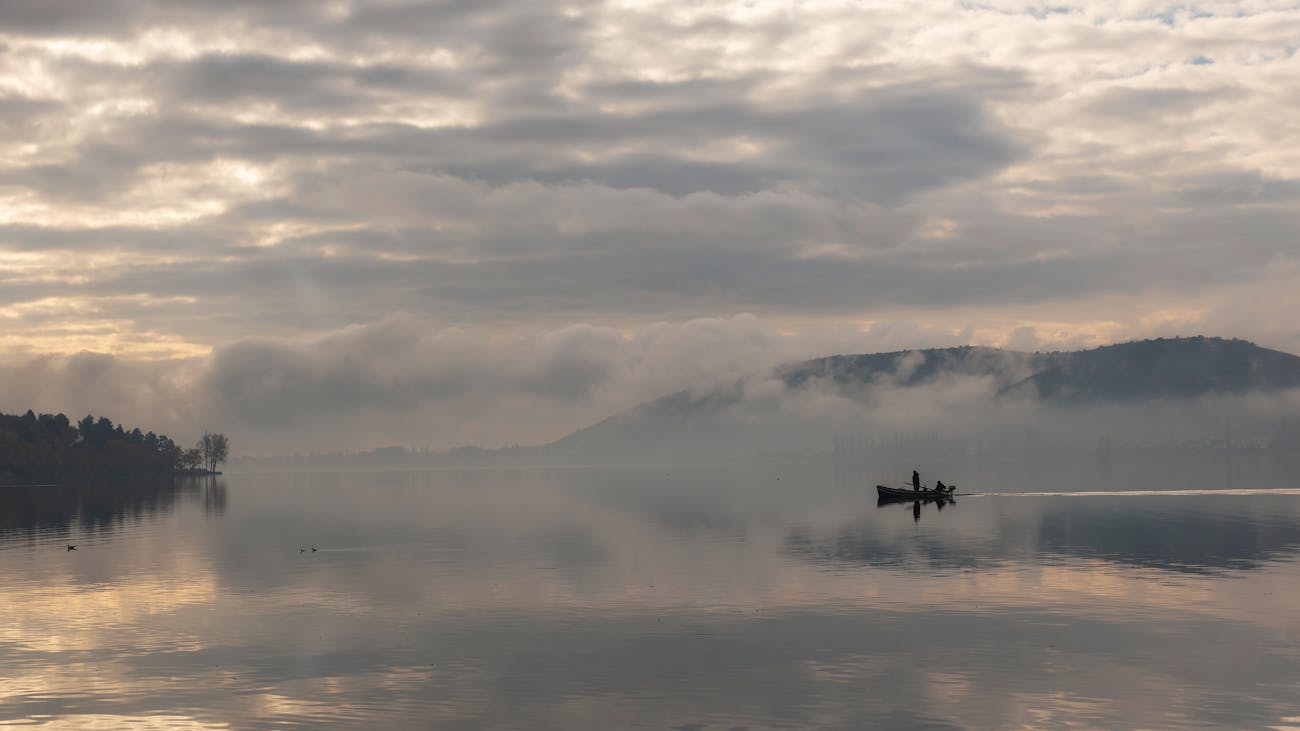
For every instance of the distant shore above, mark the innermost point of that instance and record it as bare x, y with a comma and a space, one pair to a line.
41, 449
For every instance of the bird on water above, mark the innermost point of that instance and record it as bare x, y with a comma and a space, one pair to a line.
71, 547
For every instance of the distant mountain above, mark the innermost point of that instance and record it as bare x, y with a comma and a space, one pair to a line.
1128, 373
1148, 369
912, 368
1167, 368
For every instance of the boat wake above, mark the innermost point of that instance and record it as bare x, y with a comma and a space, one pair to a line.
1143, 493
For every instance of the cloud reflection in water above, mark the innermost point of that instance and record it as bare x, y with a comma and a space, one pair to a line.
708, 597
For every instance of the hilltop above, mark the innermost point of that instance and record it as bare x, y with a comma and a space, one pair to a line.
1148, 369
1164, 370
1156, 394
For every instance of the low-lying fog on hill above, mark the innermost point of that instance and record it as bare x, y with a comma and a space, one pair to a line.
1179, 394
1165, 395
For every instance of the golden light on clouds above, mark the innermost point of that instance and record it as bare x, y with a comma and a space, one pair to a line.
117, 337
77, 324
863, 176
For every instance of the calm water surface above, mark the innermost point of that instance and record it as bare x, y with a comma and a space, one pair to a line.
755, 597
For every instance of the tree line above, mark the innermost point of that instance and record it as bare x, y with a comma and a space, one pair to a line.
49, 447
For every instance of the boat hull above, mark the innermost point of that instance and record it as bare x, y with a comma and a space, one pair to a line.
894, 493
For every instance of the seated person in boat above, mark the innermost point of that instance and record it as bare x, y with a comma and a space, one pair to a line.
939, 486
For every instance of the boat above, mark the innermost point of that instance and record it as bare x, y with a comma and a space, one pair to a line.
901, 494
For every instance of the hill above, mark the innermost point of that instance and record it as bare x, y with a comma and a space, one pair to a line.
1179, 368
1149, 369
772, 411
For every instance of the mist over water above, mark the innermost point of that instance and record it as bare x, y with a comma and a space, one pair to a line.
770, 595
561, 344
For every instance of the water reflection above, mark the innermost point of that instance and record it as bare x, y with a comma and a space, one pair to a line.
1196, 533
75, 508
778, 596
916, 505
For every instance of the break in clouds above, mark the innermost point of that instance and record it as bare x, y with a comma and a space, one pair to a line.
480, 222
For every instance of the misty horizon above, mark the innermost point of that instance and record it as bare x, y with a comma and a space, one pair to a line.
947, 402
353, 224
585, 364
573, 395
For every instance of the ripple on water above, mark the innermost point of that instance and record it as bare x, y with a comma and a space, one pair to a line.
581, 599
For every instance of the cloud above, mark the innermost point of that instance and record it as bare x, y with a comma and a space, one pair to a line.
409, 380
255, 178
153, 395
412, 381
1139, 105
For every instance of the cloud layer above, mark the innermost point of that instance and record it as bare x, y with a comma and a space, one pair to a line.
238, 192
404, 380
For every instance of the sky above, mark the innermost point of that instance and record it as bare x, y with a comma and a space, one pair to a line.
347, 224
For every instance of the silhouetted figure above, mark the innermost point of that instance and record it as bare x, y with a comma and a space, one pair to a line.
71, 547
916, 480
313, 549
938, 485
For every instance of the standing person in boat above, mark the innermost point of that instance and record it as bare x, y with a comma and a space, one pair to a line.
916, 480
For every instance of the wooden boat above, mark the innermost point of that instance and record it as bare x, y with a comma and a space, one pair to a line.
901, 494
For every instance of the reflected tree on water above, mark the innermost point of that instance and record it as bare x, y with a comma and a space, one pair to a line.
215, 497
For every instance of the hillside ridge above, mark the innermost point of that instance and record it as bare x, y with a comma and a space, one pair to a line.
1129, 372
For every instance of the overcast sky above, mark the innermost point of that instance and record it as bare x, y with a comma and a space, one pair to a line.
359, 222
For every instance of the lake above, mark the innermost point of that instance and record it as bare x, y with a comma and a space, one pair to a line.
758, 596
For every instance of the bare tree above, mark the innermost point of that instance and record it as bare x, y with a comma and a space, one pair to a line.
215, 449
